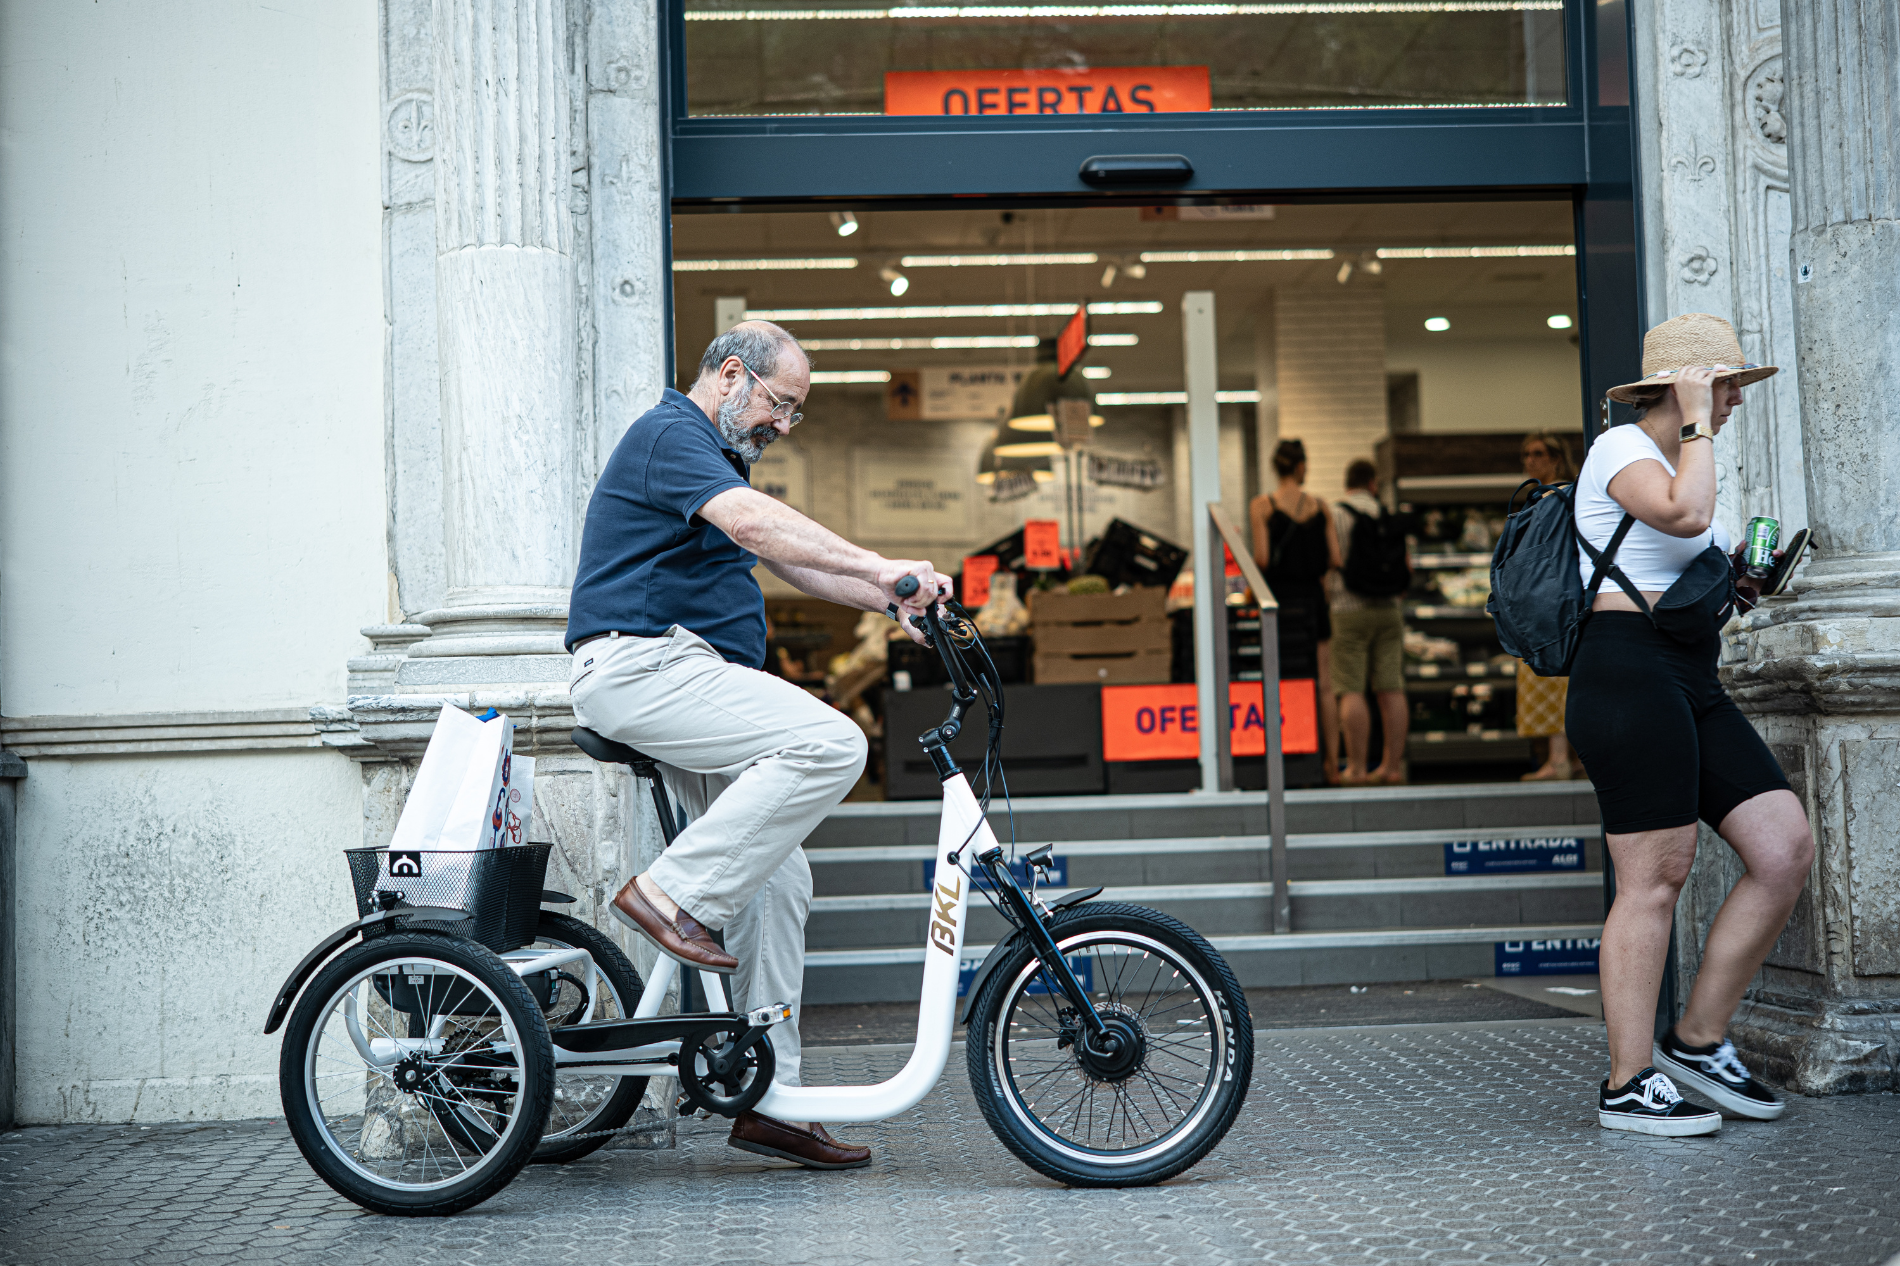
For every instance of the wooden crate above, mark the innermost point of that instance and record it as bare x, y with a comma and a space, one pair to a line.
1120, 668
1050, 606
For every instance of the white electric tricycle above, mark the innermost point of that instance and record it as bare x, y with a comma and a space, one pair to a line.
470, 1031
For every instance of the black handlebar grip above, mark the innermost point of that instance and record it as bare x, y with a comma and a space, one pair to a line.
905, 587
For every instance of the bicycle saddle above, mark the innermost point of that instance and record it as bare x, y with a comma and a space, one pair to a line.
605, 750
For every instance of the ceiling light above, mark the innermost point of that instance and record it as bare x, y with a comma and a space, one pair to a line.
1108, 276
822, 376
1044, 422
951, 343
938, 312
1437, 325
1171, 397
1137, 270
1372, 265
1472, 252
845, 222
1029, 448
899, 282
1344, 274
1231, 257
1558, 322
992, 12
1096, 371
989, 261
760, 265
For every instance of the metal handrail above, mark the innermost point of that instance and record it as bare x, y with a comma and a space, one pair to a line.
1269, 703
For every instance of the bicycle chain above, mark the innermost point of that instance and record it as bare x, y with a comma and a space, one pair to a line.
625, 1129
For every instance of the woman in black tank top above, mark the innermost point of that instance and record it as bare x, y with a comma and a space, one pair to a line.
1296, 544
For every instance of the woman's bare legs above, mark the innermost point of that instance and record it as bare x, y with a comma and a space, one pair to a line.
1651, 867
1328, 709
1770, 834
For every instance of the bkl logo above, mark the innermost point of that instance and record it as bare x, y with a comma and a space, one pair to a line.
943, 919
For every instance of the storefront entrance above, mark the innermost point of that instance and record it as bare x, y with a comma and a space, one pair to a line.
1410, 229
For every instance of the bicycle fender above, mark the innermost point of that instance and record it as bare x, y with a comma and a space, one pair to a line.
280, 1007
997, 951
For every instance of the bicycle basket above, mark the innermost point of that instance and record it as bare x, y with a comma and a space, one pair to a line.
499, 887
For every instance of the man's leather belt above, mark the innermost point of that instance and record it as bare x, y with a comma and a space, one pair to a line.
598, 636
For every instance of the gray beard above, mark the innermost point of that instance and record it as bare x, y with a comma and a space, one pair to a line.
749, 443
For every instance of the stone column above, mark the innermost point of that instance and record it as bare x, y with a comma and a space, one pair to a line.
505, 328
1820, 667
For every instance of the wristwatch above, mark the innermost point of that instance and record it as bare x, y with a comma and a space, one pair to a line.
1700, 431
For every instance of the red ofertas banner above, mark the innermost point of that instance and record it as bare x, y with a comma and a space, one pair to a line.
1161, 722
1102, 90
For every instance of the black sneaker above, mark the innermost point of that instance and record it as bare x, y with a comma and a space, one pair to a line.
1650, 1104
1716, 1072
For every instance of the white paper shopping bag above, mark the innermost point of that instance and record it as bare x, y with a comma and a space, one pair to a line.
520, 801
438, 780
478, 817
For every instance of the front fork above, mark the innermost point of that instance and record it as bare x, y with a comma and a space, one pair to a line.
1029, 919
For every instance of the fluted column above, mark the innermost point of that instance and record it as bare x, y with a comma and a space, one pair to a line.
1819, 668
505, 305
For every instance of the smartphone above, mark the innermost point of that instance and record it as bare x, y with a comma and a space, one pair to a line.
1777, 580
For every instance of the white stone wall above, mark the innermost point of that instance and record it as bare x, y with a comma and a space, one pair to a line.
191, 487
192, 526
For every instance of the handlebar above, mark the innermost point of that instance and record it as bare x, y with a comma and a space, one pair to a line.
906, 586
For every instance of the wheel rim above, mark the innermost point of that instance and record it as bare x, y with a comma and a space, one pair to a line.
412, 1074
579, 1099
1107, 1113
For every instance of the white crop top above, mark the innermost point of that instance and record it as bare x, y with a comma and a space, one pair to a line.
1651, 559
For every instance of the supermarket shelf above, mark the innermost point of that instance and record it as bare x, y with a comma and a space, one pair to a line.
1459, 483
1446, 613
1460, 672
1463, 736
1444, 562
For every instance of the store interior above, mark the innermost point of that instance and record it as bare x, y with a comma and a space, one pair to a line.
1428, 337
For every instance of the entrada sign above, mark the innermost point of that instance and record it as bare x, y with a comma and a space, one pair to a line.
1101, 90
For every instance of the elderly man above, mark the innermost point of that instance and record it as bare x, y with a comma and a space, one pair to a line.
667, 629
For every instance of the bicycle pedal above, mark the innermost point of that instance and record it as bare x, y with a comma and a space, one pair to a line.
765, 1017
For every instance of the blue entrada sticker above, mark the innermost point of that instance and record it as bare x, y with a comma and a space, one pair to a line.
1057, 876
1546, 958
1497, 857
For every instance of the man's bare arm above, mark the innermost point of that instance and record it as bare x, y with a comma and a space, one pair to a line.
785, 538
846, 591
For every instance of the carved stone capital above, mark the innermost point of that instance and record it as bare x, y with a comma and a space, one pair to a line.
1826, 664
398, 726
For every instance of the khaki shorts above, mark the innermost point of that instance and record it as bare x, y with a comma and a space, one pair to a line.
1369, 643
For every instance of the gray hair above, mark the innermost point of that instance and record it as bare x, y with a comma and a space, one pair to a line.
757, 343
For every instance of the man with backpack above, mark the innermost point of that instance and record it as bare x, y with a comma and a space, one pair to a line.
1368, 632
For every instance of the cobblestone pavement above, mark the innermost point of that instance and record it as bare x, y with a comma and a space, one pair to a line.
1456, 1143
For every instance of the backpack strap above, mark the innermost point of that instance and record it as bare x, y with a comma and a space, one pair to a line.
1606, 565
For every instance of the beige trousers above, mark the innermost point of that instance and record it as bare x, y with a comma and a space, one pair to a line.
754, 763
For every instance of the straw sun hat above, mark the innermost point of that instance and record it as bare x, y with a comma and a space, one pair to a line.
1692, 339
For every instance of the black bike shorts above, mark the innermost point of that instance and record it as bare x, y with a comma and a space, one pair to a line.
1662, 740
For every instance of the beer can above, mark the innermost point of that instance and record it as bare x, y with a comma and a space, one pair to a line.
1758, 551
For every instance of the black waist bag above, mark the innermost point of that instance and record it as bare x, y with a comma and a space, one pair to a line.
1699, 603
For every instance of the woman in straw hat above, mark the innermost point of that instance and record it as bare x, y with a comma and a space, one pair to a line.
1540, 700
1665, 745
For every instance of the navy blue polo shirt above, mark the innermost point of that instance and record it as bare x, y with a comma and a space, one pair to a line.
648, 561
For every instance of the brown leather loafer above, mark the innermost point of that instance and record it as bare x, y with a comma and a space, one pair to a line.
812, 1148
680, 937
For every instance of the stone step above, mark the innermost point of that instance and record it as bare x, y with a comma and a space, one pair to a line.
1337, 957
1331, 810
859, 870
1228, 909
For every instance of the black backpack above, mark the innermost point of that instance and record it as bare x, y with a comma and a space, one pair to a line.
1538, 596
1376, 562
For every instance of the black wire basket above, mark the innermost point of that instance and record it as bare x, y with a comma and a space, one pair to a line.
500, 888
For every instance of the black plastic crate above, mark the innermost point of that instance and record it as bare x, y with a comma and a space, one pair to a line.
500, 888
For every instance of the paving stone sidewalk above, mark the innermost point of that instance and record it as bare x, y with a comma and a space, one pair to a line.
1443, 1143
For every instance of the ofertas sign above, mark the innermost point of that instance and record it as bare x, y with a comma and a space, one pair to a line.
1163, 722
1101, 90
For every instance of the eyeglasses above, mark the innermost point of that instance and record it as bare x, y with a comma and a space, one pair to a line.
781, 409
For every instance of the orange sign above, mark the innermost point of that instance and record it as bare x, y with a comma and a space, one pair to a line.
1073, 341
1163, 722
1042, 545
977, 570
1102, 90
